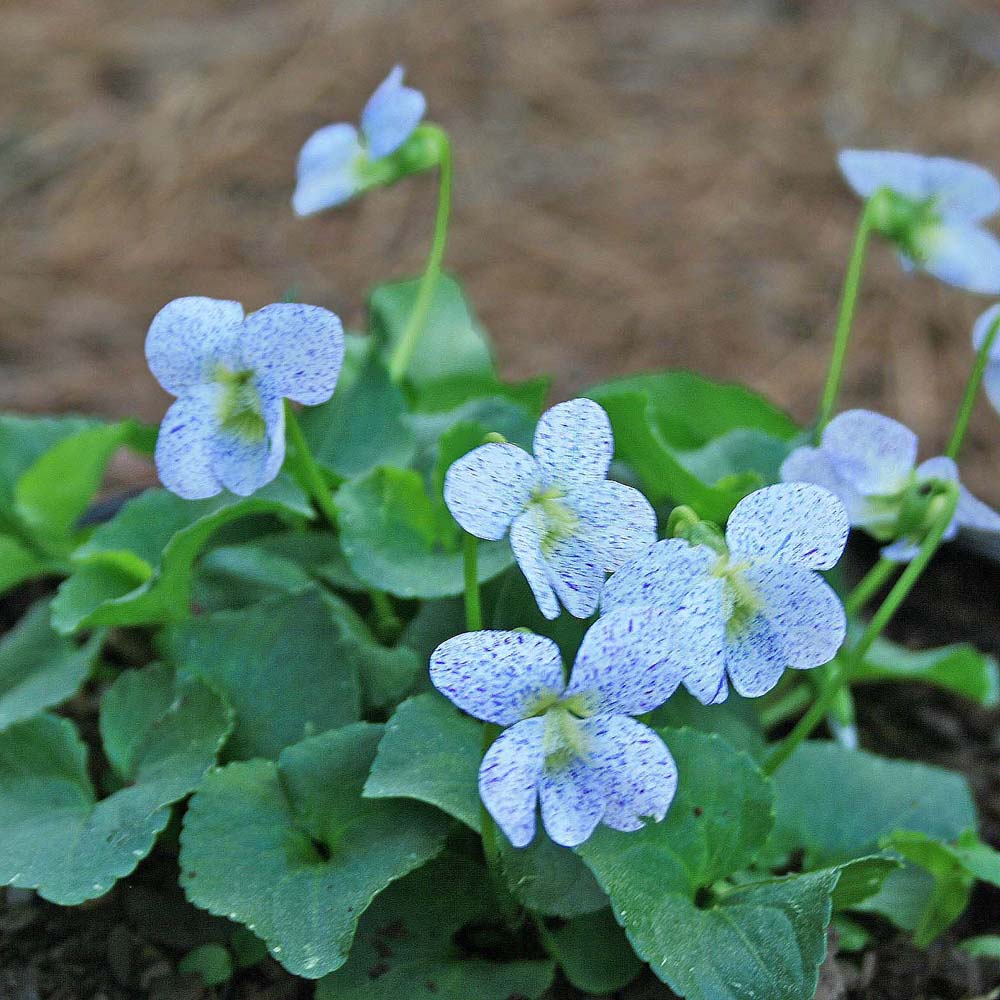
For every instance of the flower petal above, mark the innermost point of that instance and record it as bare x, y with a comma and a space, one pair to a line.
526, 541
793, 523
873, 453
574, 444
488, 487
189, 337
963, 192
625, 663
497, 676
636, 769
661, 576
755, 659
296, 351
509, 777
245, 465
700, 640
186, 444
964, 256
803, 610
981, 329
328, 169
900, 551
814, 465
576, 573
391, 114
618, 520
572, 799
971, 511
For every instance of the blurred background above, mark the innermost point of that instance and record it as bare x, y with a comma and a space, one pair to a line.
639, 184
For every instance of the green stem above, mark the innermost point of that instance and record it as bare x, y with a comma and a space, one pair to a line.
874, 580
403, 354
971, 391
845, 319
306, 471
838, 674
473, 605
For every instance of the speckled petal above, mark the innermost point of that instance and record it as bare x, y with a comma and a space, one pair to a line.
637, 772
662, 575
619, 522
497, 676
625, 663
488, 487
802, 609
814, 465
186, 445
189, 337
509, 777
572, 799
755, 659
699, 640
328, 169
391, 114
574, 444
245, 465
793, 523
296, 351
963, 191
871, 452
526, 542
576, 573
964, 256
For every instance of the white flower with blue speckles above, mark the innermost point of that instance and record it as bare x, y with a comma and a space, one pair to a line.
572, 747
337, 162
931, 208
569, 526
870, 462
991, 376
754, 606
230, 374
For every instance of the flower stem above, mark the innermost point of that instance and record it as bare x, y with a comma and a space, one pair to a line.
403, 354
839, 674
873, 581
971, 391
473, 605
307, 471
845, 319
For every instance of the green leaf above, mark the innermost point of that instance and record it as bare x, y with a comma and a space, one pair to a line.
550, 879
289, 667
861, 879
984, 946
735, 720
136, 569
211, 962
292, 850
695, 441
708, 940
52, 495
18, 563
55, 835
814, 786
393, 539
952, 882
23, 440
453, 346
431, 752
39, 668
405, 944
237, 576
959, 668
594, 954
363, 426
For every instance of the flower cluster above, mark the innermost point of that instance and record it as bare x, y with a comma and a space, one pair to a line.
572, 746
569, 526
337, 163
230, 374
931, 208
870, 462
